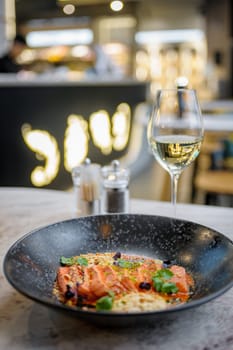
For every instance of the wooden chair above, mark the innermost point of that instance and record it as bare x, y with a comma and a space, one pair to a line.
210, 183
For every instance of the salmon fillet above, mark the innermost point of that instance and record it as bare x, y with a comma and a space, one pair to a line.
105, 274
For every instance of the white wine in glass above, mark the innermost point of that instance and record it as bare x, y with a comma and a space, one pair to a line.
175, 132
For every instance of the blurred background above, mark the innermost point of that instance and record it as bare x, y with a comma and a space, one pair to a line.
86, 80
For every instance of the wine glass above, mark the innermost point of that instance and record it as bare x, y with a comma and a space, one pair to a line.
175, 132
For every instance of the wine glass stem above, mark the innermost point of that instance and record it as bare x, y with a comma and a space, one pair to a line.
174, 186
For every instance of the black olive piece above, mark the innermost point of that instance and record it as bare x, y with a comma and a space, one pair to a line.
69, 294
117, 255
167, 263
145, 285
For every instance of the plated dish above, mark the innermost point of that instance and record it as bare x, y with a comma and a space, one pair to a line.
31, 264
120, 282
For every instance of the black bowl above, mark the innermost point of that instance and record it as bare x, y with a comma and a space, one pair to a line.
30, 264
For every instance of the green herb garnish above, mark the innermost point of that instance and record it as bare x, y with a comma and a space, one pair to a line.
66, 261
158, 283
165, 274
169, 288
73, 260
82, 261
127, 264
161, 282
105, 303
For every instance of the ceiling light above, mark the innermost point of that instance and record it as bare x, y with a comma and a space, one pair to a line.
116, 5
69, 9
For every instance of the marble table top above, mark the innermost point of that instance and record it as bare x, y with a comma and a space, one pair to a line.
25, 324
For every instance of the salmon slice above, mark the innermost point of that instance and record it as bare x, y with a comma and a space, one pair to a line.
68, 275
110, 279
94, 285
98, 281
129, 284
180, 278
84, 289
63, 279
97, 284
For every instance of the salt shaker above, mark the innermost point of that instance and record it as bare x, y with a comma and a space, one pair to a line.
87, 185
115, 196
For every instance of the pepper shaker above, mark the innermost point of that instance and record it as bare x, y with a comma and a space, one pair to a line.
115, 196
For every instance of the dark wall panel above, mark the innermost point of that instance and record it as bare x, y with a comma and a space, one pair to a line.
47, 107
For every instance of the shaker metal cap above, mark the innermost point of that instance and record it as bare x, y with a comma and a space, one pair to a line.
114, 176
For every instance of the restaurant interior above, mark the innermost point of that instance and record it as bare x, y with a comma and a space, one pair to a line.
89, 77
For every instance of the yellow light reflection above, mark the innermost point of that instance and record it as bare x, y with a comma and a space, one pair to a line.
45, 146
105, 136
75, 141
121, 126
100, 127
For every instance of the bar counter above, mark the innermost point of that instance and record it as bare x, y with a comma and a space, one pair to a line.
25, 324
